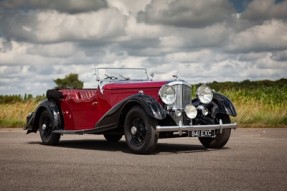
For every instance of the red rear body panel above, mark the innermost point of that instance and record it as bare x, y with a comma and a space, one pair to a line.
83, 108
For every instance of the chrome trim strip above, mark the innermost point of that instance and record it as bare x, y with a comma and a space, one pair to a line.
195, 127
179, 82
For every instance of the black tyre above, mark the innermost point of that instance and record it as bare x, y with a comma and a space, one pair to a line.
221, 138
113, 137
46, 129
140, 132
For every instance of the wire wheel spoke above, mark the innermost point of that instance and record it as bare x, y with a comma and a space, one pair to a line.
46, 126
138, 131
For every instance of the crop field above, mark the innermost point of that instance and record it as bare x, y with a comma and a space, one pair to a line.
258, 104
14, 114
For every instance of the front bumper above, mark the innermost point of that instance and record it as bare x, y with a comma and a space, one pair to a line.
181, 128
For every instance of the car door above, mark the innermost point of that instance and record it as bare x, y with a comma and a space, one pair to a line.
80, 109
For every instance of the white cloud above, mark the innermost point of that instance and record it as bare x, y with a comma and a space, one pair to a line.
128, 7
64, 49
202, 56
135, 30
52, 26
200, 41
271, 35
104, 24
22, 53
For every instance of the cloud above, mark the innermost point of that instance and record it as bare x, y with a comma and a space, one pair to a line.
209, 36
51, 26
22, 53
128, 7
63, 50
269, 36
201, 56
183, 13
280, 56
67, 6
258, 10
200, 41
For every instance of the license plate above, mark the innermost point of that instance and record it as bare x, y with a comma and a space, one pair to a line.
203, 133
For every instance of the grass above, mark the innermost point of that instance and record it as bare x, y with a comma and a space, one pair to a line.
254, 114
14, 114
258, 104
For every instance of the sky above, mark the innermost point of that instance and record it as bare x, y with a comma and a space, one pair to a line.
198, 40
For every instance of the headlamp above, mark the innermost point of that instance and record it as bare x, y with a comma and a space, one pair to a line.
204, 94
190, 111
167, 94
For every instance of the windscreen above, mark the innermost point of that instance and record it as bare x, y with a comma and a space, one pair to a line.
122, 74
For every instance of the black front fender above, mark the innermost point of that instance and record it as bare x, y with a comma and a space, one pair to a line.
219, 105
33, 118
114, 116
222, 105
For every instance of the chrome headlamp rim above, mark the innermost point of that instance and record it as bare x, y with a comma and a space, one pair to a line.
205, 94
167, 94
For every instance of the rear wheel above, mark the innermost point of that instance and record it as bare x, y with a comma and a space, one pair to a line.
221, 138
140, 132
46, 129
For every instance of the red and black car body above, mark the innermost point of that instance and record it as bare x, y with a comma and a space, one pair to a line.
142, 110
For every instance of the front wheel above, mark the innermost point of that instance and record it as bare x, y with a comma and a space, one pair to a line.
46, 129
140, 132
221, 138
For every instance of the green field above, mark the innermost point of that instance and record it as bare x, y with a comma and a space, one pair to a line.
258, 104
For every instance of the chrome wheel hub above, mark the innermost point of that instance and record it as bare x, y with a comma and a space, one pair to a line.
44, 126
134, 130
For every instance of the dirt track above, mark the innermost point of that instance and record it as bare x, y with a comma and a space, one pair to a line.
253, 159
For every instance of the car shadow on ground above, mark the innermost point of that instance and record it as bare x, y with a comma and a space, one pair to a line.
102, 145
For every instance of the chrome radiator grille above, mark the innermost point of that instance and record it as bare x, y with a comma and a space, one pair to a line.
183, 95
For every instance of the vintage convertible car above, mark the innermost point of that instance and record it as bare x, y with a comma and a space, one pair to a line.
128, 102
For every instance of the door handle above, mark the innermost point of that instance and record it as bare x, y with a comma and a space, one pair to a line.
95, 103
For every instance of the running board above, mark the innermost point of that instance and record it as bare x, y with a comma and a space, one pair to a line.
84, 131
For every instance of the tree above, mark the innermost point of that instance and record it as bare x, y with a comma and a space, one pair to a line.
70, 81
